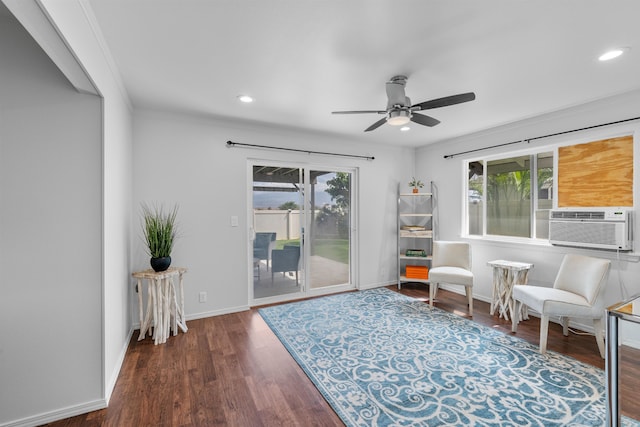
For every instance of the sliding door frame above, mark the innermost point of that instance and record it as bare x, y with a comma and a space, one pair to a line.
305, 271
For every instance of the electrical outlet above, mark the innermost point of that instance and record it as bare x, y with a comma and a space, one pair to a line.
203, 297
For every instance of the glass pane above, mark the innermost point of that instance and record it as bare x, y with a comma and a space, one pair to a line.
277, 222
545, 194
330, 228
509, 197
475, 199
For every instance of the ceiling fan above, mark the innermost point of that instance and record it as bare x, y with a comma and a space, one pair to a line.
400, 111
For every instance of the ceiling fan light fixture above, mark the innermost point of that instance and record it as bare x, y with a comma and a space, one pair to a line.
399, 117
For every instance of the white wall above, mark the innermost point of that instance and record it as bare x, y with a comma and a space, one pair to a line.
50, 235
76, 46
185, 160
77, 24
449, 175
117, 236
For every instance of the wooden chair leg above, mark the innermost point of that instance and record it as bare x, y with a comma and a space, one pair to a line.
517, 305
598, 329
544, 331
470, 298
432, 292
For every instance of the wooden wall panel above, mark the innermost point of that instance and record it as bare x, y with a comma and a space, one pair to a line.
596, 174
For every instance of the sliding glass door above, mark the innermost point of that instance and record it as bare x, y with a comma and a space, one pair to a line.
277, 231
301, 231
330, 229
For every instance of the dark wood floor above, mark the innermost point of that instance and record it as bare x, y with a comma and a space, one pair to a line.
231, 370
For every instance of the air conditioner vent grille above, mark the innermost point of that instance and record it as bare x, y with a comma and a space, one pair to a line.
577, 215
600, 233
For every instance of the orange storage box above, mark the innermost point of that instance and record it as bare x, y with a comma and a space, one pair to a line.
416, 272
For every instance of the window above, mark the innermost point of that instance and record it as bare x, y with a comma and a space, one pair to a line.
510, 196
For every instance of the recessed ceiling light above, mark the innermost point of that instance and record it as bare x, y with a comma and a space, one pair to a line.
613, 53
405, 128
245, 98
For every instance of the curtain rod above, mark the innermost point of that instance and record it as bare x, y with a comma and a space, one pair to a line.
240, 144
528, 140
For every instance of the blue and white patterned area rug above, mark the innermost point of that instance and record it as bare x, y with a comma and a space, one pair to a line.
384, 359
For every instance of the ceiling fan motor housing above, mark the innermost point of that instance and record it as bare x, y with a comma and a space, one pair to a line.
395, 93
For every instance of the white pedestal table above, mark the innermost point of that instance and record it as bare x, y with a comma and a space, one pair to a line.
506, 275
165, 303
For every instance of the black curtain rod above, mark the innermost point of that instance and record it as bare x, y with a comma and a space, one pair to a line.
528, 140
240, 144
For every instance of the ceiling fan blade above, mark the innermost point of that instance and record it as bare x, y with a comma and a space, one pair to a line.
424, 120
360, 112
446, 101
376, 125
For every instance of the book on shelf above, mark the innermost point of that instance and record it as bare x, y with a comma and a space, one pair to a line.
416, 233
413, 227
416, 252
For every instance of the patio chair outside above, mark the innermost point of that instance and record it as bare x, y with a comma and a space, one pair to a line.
263, 246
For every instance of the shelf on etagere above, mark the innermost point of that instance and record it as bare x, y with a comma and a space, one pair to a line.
422, 258
411, 279
416, 194
424, 234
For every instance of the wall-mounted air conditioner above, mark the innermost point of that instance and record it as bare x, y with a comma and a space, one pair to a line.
605, 228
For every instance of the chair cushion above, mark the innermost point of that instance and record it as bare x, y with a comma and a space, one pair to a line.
453, 275
555, 302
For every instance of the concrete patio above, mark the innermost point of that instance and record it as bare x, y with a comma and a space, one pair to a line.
324, 272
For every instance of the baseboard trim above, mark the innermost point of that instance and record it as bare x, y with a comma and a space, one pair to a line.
375, 285
203, 314
110, 385
58, 414
212, 313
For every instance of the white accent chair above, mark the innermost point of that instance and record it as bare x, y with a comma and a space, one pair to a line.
576, 293
451, 265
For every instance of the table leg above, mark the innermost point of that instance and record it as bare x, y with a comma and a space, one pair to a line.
183, 321
166, 313
511, 282
158, 320
501, 278
494, 292
173, 307
146, 326
504, 287
611, 372
140, 313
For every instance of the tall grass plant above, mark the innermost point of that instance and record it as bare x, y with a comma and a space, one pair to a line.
159, 229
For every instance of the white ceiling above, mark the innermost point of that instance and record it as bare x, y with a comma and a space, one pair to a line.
302, 59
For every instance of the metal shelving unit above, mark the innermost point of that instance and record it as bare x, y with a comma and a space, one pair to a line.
415, 233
